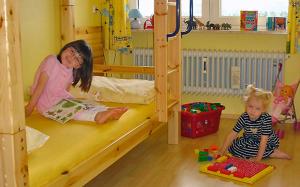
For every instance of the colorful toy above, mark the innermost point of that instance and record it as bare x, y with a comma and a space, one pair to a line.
149, 23
207, 154
237, 169
200, 25
283, 104
283, 100
200, 119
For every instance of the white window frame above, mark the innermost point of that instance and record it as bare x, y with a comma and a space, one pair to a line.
211, 11
215, 17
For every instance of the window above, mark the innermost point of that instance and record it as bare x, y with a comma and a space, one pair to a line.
146, 7
220, 11
271, 8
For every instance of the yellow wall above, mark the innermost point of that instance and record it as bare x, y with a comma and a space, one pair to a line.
40, 34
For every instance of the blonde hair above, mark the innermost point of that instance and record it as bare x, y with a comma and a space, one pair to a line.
252, 92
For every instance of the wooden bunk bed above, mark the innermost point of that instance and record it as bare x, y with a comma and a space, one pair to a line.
13, 154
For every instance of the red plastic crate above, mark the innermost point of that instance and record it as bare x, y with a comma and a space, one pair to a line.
195, 125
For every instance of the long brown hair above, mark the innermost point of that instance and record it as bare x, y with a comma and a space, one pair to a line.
84, 74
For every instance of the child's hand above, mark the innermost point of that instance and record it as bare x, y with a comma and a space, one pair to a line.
255, 159
28, 110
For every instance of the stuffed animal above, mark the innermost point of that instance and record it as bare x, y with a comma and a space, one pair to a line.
283, 96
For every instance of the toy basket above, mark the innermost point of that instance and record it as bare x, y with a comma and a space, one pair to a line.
200, 119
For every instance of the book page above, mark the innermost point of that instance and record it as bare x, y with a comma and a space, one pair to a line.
64, 110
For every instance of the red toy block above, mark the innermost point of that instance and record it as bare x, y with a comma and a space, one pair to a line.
225, 171
239, 174
213, 168
214, 147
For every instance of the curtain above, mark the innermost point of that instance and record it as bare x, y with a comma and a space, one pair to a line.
116, 25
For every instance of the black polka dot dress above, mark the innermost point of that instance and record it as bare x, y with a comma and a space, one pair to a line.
247, 145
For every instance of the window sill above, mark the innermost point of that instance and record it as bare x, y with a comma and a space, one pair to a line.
224, 31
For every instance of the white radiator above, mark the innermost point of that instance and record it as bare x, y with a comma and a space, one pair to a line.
221, 72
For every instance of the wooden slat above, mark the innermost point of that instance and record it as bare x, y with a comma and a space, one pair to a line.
93, 36
161, 58
91, 167
67, 21
90, 37
174, 79
13, 155
11, 82
13, 160
123, 69
98, 60
82, 30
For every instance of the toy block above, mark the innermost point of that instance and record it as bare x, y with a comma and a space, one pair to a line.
232, 169
213, 168
225, 171
203, 153
204, 158
239, 174
213, 147
228, 166
196, 151
217, 156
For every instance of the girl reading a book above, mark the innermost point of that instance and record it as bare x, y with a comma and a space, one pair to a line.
258, 140
56, 74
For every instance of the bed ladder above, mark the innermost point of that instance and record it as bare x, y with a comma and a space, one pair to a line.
167, 62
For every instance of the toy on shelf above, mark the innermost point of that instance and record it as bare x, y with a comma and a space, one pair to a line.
248, 20
149, 23
194, 24
200, 25
225, 26
237, 169
212, 26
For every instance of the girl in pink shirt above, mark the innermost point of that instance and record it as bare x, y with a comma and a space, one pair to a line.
56, 74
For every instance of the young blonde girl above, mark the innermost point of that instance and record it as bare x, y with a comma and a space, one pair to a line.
57, 73
258, 140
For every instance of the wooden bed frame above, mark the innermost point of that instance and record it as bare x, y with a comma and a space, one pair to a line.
13, 154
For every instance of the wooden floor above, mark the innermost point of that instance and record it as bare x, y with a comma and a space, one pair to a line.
154, 163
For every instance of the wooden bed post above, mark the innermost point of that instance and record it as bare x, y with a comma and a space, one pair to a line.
13, 152
161, 57
167, 61
174, 77
67, 21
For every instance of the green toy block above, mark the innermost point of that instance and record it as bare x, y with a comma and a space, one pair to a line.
203, 153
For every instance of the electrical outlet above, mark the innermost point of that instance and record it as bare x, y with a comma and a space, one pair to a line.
95, 9
204, 64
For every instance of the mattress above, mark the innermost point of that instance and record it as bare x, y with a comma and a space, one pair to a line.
75, 141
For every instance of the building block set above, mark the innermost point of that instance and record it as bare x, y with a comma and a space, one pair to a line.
200, 119
207, 154
237, 169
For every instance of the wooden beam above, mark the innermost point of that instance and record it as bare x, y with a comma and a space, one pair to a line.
161, 58
99, 69
13, 154
13, 160
174, 78
67, 21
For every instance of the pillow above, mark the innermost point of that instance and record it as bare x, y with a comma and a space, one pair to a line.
35, 139
117, 90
